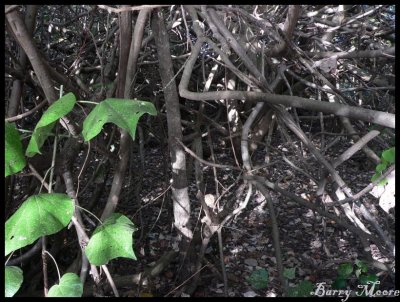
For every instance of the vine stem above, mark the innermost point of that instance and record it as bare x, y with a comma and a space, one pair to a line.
183, 283
88, 102
44, 265
54, 260
110, 280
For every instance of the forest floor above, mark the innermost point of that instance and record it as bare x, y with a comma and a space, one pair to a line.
313, 251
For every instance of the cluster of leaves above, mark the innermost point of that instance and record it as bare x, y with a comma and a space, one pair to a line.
259, 279
387, 158
46, 214
347, 271
303, 289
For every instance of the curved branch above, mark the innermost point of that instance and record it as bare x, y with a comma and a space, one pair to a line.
23, 38
293, 15
352, 112
307, 204
387, 52
25, 114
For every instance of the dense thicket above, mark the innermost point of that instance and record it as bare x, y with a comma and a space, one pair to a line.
286, 106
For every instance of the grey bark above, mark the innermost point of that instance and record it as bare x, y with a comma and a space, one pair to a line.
118, 179
180, 194
30, 18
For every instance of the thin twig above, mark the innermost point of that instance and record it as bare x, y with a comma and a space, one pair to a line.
161, 194
221, 256
9, 8
18, 261
363, 191
125, 9
83, 168
110, 280
44, 266
37, 175
213, 159
207, 162
183, 283
55, 262
25, 114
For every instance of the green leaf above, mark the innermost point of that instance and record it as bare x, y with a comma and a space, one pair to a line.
43, 128
389, 155
345, 270
123, 113
339, 283
303, 289
375, 176
111, 240
380, 167
99, 85
13, 280
293, 292
15, 159
38, 216
361, 264
289, 273
383, 182
70, 286
259, 279
364, 279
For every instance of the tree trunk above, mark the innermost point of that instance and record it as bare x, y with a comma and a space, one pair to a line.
119, 174
180, 196
30, 19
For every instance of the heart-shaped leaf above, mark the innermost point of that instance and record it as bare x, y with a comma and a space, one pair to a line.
303, 289
289, 273
111, 240
380, 167
13, 280
123, 113
345, 270
259, 279
15, 159
70, 286
38, 216
389, 155
46, 123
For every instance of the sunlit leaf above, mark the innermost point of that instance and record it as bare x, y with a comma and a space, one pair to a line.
111, 240
70, 286
39, 215
380, 167
15, 159
123, 113
46, 123
13, 280
382, 182
389, 155
375, 177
